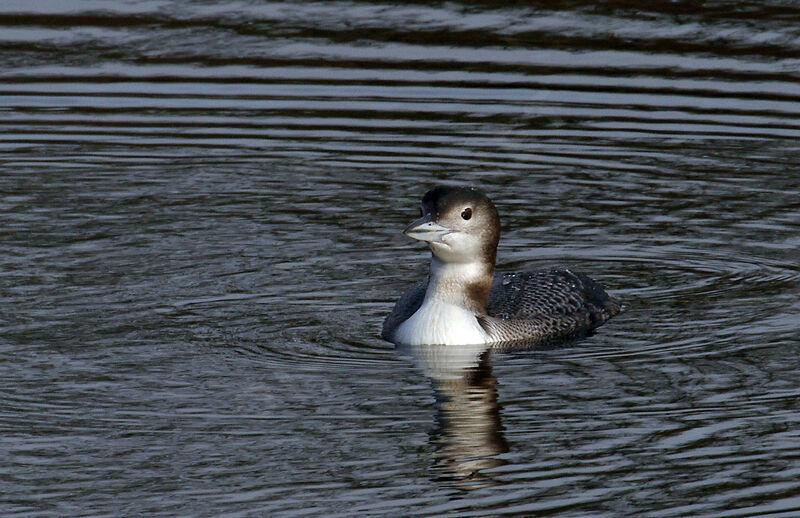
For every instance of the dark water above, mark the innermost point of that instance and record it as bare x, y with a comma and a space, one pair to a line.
200, 207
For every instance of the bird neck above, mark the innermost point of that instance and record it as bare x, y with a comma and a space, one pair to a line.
466, 285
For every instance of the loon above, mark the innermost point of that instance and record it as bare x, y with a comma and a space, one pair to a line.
463, 302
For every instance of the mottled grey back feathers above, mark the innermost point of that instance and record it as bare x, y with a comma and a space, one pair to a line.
548, 306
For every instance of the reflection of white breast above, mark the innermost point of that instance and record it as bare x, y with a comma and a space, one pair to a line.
445, 363
437, 322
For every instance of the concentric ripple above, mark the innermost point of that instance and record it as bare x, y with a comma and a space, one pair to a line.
200, 217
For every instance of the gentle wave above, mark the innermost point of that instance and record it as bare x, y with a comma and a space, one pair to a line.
202, 207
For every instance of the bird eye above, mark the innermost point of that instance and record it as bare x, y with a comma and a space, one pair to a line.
467, 213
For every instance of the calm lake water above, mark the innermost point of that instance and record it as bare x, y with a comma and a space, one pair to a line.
200, 216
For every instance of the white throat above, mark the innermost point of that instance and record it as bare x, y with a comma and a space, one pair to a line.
444, 317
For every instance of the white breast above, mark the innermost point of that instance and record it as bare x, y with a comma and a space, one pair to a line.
437, 322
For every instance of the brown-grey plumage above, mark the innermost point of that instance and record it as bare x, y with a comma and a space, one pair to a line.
537, 307
462, 299
549, 306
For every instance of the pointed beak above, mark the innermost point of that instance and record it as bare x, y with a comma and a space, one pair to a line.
424, 229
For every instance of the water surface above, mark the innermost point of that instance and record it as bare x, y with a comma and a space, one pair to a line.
200, 216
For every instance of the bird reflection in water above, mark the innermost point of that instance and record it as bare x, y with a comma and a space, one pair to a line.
468, 440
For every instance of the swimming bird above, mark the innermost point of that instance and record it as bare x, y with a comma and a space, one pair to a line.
461, 301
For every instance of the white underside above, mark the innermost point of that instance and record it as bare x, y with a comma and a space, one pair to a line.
441, 323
